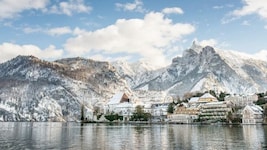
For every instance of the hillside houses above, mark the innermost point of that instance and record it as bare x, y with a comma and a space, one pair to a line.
241, 100
122, 105
184, 114
207, 108
187, 113
198, 109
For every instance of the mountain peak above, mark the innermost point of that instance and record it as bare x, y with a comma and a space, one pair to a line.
20, 60
208, 50
25, 58
196, 47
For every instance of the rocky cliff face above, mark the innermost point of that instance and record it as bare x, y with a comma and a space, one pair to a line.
202, 69
35, 90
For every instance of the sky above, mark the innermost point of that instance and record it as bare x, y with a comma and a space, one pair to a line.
132, 30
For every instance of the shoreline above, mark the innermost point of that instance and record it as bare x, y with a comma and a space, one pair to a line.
172, 123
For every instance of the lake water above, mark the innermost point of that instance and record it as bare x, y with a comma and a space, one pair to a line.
119, 137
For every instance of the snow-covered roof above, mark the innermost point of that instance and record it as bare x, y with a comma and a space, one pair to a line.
207, 95
216, 103
148, 105
254, 108
185, 104
193, 100
115, 99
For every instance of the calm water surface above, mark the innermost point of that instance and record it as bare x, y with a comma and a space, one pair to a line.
120, 137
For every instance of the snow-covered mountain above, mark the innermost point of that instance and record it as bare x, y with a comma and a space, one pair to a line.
206, 68
33, 89
137, 74
38, 90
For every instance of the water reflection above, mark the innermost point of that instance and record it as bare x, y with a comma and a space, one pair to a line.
103, 136
253, 135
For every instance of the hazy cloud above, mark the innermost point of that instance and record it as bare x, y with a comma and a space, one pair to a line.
137, 6
69, 8
245, 23
59, 31
173, 10
218, 7
12, 8
222, 6
32, 30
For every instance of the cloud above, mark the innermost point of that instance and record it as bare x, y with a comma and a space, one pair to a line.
245, 23
262, 55
173, 10
146, 37
78, 31
59, 31
209, 42
223, 6
258, 7
218, 7
250, 7
137, 6
11, 8
32, 30
9, 50
69, 8
228, 18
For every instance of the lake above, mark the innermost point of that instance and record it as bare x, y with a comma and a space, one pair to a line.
51, 135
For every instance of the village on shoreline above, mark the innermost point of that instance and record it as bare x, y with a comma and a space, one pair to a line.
197, 108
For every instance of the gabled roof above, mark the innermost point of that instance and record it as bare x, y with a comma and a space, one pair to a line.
255, 109
193, 100
115, 99
124, 98
207, 95
118, 98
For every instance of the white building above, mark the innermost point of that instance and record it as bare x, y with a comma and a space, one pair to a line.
252, 114
151, 97
241, 100
120, 104
184, 113
214, 111
159, 109
182, 118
